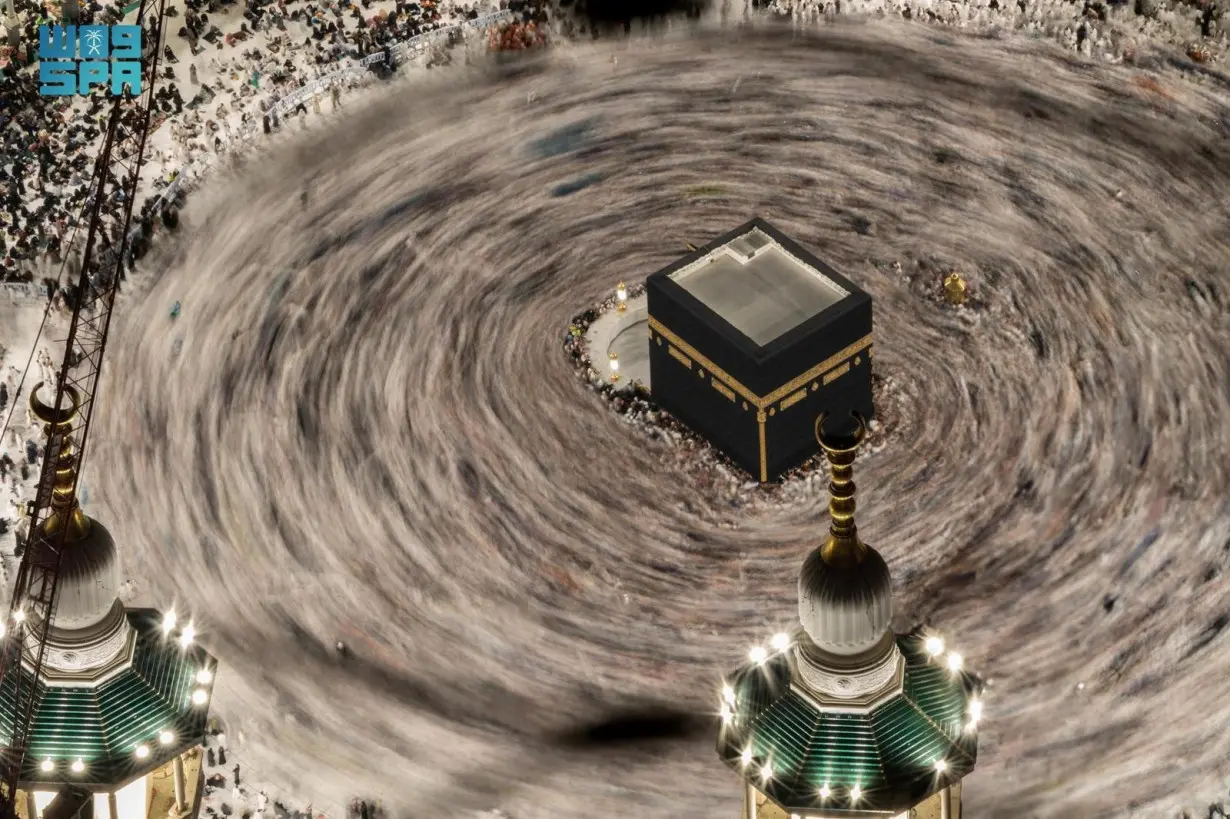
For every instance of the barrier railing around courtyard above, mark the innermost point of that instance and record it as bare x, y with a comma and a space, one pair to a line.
405, 50
22, 291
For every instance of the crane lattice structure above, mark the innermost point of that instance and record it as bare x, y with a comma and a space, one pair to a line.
108, 218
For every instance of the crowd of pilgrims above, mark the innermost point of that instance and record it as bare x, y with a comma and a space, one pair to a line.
215, 76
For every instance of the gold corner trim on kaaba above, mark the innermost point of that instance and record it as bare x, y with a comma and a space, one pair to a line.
722, 388
702, 360
761, 418
824, 366
833, 375
761, 402
678, 356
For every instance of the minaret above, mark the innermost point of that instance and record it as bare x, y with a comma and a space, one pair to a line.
90, 634
122, 696
844, 717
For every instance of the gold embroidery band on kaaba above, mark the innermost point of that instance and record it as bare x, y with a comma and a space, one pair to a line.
761, 402
833, 375
794, 398
703, 361
680, 357
723, 389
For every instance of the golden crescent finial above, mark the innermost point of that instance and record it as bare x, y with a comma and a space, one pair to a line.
834, 444
47, 414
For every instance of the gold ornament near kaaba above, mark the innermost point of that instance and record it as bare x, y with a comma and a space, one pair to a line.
954, 288
621, 297
614, 358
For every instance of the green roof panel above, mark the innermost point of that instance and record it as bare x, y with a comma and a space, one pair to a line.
103, 725
890, 753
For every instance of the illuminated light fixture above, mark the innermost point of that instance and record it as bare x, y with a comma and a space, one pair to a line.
204, 676
168, 622
47, 765
728, 694
187, 636
19, 616
200, 696
780, 641
934, 646
825, 791
727, 714
621, 296
78, 766
940, 766
758, 655
142, 751
166, 737
955, 289
975, 710
955, 661
614, 360
746, 756
971, 726
766, 772
856, 793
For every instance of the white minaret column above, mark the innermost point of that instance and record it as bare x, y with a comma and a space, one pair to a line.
177, 770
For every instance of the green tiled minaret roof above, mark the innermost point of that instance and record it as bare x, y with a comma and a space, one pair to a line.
846, 717
103, 725
890, 753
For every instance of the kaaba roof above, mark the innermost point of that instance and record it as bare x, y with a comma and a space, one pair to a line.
814, 759
103, 725
761, 283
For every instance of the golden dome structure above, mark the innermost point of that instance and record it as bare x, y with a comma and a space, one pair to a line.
955, 289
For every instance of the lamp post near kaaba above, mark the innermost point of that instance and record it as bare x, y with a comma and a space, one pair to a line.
751, 336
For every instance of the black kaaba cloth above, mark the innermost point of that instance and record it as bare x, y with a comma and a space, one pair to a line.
751, 338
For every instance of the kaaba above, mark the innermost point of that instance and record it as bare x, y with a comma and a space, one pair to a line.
751, 338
